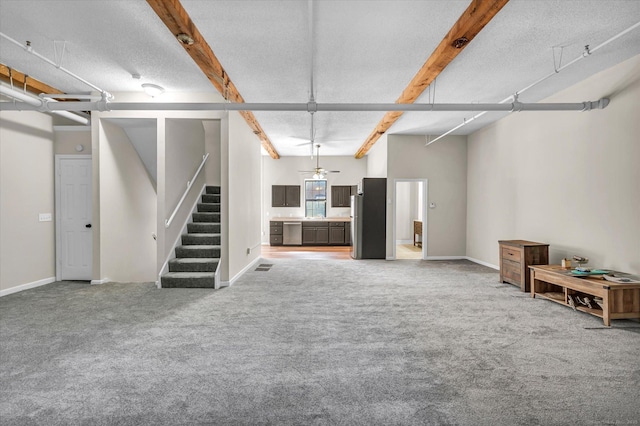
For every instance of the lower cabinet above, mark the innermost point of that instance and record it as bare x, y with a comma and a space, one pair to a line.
315, 233
336, 234
275, 233
347, 233
322, 235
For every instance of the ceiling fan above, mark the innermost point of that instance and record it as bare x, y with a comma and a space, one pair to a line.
319, 172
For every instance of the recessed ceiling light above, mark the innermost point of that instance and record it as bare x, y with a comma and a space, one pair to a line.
152, 89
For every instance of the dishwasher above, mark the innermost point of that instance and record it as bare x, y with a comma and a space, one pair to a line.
292, 234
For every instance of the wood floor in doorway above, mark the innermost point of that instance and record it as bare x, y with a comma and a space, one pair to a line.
310, 252
408, 251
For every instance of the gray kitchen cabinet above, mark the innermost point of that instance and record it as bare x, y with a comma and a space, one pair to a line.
275, 233
315, 233
285, 195
347, 233
341, 195
336, 235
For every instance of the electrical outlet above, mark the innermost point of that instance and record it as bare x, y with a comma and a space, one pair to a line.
45, 217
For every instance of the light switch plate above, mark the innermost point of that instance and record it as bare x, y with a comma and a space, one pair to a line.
45, 217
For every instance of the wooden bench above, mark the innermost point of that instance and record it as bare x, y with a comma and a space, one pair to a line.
555, 283
417, 232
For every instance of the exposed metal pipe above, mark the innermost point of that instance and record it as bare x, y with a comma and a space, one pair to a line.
304, 107
70, 96
29, 102
311, 62
312, 98
586, 52
29, 49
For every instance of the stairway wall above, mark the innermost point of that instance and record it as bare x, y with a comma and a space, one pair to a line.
241, 197
184, 148
212, 136
127, 210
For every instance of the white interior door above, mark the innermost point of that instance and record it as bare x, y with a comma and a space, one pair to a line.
74, 215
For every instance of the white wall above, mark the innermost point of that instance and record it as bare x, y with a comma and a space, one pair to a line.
127, 210
184, 149
241, 197
569, 179
285, 171
66, 142
212, 137
377, 158
27, 246
143, 136
444, 164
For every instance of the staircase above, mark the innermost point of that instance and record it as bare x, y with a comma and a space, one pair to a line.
198, 256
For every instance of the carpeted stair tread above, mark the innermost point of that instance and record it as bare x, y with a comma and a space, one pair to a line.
203, 228
207, 238
206, 217
188, 280
193, 264
214, 190
201, 239
210, 198
209, 207
210, 251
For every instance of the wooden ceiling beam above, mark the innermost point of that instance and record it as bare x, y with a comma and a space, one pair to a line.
19, 79
471, 22
178, 21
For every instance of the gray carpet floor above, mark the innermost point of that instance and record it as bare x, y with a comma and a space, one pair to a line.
314, 342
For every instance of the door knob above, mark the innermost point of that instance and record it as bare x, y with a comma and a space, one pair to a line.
88, 225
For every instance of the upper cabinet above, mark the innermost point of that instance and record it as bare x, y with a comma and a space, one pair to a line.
341, 195
285, 196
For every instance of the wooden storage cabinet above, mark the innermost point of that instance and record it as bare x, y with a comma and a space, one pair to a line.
347, 233
515, 258
341, 195
315, 233
275, 233
285, 196
336, 233
417, 232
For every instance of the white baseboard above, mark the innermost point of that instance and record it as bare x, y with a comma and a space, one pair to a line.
404, 242
239, 274
27, 286
489, 265
105, 280
446, 257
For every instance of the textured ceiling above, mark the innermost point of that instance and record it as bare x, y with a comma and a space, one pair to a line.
363, 51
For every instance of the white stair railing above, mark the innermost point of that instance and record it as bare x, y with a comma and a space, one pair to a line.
167, 223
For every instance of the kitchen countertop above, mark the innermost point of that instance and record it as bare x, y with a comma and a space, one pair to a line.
312, 219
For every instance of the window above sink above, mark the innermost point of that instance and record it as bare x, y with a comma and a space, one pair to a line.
315, 198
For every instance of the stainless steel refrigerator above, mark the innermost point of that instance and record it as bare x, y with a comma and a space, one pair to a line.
369, 220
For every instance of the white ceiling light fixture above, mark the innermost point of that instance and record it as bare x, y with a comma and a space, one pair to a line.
152, 90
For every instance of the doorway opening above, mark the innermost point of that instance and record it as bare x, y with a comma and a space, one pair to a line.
409, 219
